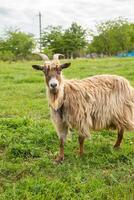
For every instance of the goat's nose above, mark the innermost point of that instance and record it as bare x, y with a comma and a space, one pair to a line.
53, 85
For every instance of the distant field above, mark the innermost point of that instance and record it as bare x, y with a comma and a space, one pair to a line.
29, 144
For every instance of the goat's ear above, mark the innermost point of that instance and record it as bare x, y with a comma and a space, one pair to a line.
65, 65
38, 67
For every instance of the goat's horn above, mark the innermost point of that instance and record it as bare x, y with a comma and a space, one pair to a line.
56, 56
43, 56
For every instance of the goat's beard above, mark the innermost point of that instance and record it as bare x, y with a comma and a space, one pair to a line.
55, 97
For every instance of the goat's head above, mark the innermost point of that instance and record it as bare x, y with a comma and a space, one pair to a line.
52, 70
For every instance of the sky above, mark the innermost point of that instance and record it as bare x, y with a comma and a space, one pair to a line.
24, 13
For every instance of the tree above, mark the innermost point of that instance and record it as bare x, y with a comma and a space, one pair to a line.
52, 39
18, 44
70, 42
74, 40
112, 37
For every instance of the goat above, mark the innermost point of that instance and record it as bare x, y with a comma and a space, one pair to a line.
98, 102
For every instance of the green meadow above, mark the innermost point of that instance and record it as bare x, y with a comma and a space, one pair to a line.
29, 144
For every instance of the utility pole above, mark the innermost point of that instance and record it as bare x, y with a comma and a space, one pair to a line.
40, 31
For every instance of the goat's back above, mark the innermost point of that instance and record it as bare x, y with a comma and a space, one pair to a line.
100, 101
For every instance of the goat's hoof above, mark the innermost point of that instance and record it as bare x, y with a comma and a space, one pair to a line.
81, 154
117, 147
59, 160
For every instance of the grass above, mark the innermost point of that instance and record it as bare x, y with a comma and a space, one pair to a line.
29, 144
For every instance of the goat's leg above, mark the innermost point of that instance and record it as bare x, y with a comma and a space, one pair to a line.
60, 157
81, 144
62, 132
119, 138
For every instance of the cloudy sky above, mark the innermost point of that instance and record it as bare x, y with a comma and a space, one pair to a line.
24, 13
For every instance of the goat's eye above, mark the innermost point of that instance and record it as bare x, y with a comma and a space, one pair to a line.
47, 75
58, 71
46, 72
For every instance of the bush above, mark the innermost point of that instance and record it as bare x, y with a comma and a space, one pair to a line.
7, 55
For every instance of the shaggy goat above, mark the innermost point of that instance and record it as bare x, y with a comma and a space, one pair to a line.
98, 102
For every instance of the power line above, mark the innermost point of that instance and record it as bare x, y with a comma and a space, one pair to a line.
40, 31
